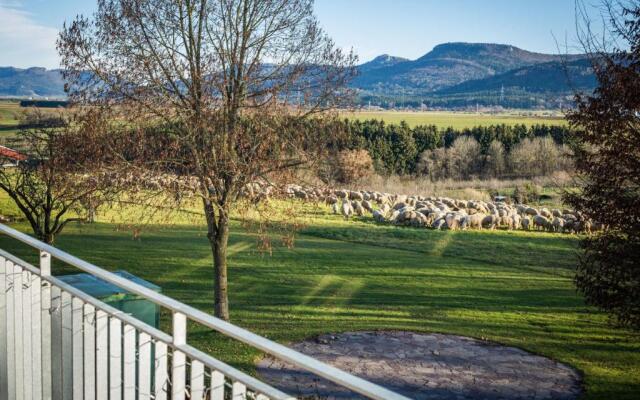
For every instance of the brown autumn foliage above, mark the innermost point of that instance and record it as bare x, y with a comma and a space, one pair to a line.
352, 166
607, 158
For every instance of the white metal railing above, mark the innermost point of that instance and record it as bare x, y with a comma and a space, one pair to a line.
57, 342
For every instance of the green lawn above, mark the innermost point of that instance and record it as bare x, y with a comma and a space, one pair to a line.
509, 287
459, 120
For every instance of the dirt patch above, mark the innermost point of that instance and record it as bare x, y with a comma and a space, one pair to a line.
426, 366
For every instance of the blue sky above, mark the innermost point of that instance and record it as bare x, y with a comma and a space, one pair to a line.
407, 28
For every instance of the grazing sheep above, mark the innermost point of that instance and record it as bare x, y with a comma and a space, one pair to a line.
357, 208
331, 200
557, 224
335, 208
453, 220
400, 206
517, 221
507, 221
490, 221
346, 209
438, 224
475, 221
343, 194
300, 194
436, 212
367, 205
585, 227
355, 196
540, 222
378, 216
568, 225
385, 208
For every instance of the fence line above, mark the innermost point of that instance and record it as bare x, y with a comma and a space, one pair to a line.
57, 342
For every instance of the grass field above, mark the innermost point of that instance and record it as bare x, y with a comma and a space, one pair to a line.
459, 120
10, 113
513, 288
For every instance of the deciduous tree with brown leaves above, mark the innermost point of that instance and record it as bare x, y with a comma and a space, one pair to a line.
44, 180
233, 82
607, 157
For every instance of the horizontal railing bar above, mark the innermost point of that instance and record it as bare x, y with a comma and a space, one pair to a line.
190, 351
326, 371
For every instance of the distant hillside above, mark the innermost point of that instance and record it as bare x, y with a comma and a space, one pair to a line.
31, 82
548, 85
452, 75
446, 65
555, 76
383, 61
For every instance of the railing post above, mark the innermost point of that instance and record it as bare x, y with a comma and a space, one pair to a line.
178, 368
4, 389
45, 299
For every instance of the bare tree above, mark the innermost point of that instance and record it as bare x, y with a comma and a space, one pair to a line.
495, 159
233, 80
463, 157
44, 182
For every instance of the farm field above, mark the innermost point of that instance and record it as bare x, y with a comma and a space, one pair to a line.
513, 288
9, 115
10, 112
458, 120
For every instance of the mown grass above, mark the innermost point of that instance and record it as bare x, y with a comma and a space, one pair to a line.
457, 120
513, 288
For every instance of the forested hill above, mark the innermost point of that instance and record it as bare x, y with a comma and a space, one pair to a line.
553, 76
465, 74
452, 75
31, 82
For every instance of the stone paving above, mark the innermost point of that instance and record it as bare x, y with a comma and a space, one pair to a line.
426, 366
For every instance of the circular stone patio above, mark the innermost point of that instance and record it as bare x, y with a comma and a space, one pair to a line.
426, 366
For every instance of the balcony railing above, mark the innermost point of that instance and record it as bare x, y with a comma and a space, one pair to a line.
57, 342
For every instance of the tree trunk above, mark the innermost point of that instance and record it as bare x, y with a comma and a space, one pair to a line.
218, 235
220, 268
48, 238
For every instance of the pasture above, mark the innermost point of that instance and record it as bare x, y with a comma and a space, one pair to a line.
10, 113
512, 287
459, 120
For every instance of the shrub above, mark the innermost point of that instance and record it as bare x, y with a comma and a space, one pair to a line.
433, 163
527, 193
352, 166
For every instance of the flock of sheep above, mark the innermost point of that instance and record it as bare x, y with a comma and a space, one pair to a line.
443, 212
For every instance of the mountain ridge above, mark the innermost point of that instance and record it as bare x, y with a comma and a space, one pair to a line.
449, 64
471, 73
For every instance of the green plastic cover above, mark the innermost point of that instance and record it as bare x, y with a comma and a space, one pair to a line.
137, 306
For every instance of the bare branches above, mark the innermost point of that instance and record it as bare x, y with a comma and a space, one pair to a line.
48, 186
210, 92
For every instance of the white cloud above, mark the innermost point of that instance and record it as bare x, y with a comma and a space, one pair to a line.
24, 42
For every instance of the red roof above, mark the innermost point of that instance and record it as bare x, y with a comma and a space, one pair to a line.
9, 153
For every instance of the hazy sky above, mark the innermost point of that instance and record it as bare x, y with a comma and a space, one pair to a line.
407, 28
